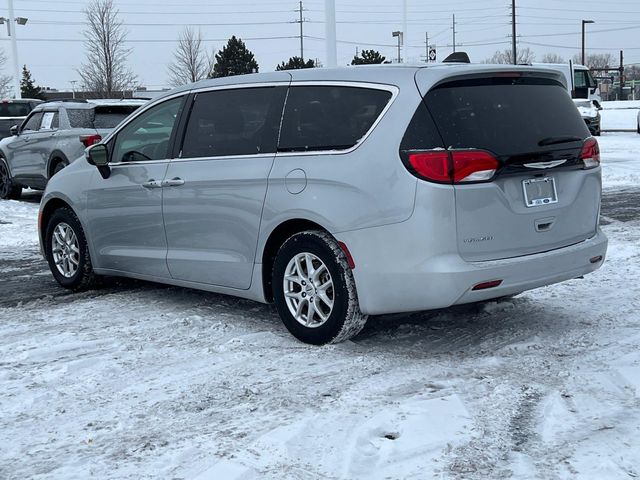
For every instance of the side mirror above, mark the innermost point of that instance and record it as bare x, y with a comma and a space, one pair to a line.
98, 155
14, 130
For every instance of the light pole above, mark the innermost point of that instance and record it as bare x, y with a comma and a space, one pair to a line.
14, 45
330, 32
584, 22
399, 35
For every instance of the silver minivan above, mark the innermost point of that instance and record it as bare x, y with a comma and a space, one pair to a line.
339, 193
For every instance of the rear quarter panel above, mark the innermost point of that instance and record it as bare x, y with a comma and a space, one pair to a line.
364, 188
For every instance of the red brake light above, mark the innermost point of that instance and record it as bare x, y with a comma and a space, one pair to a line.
454, 166
432, 165
590, 154
88, 140
486, 285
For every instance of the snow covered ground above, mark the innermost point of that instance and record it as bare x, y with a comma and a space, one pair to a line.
620, 115
620, 154
137, 380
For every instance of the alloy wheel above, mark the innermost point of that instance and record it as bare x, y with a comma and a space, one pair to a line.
308, 290
65, 249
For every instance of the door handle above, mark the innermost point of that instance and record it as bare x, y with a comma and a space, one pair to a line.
152, 184
174, 182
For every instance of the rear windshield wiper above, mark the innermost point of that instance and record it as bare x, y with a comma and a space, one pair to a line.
555, 140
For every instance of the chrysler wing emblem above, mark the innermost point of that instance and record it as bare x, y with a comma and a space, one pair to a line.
551, 164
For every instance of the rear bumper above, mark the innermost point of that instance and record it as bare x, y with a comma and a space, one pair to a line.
395, 273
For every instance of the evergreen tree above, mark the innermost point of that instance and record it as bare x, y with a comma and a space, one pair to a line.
234, 59
368, 57
27, 86
295, 63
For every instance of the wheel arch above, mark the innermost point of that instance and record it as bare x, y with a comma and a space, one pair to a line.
47, 210
275, 240
3, 157
54, 158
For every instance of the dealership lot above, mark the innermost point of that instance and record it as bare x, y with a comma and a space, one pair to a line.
136, 380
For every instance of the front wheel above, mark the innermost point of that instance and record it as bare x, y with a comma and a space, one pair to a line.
8, 190
314, 289
67, 251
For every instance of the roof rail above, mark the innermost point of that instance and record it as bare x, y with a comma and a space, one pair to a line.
71, 100
457, 57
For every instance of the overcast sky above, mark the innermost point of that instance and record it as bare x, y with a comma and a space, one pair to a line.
51, 44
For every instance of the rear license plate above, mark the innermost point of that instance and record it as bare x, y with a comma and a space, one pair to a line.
539, 191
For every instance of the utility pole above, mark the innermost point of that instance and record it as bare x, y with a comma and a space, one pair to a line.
426, 47
454, 32
330, 32
514, 50
405, 42
301, 21
621, 70
14, 50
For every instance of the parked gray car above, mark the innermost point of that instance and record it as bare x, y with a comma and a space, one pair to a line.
13, 111
339, 193
52, 136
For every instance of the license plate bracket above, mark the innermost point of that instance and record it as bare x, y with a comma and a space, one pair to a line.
539, 191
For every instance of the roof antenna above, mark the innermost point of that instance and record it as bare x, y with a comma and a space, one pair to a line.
457, 57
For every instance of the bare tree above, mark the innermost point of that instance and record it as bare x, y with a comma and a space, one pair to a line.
596, 60
106, 71
552, 58
525, 55
190, 60
5, 80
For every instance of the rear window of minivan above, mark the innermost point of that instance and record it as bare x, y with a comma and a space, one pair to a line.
329, 117
505, 115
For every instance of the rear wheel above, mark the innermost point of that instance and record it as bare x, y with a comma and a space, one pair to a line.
67, 251
314, 290
60, 164
8, 189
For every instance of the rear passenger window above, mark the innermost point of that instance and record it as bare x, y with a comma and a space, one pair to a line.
80, 118
243, 121
49, 121
329, 117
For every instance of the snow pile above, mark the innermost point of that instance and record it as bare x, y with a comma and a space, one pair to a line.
620, 115
620, 157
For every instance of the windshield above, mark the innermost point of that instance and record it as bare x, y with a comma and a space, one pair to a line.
505, 115
583, 79
14, 109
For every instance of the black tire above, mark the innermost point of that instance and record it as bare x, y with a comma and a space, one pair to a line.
8, 189
345, 319
639, 127
58, 166
83, 278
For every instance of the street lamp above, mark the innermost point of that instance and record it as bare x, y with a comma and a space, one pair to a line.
14, 45
584, 22
398, 34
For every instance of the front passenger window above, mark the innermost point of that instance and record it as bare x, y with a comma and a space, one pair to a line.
147, 136
33, 123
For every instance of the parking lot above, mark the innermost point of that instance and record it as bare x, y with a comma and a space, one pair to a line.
137, 380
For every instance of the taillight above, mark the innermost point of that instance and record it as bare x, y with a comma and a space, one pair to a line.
590, 154
454, 166
88, 140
